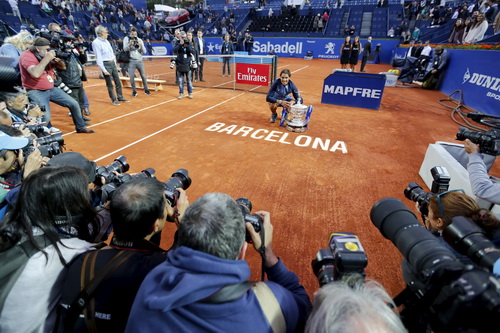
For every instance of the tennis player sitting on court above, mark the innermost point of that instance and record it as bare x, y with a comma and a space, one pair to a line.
279, 94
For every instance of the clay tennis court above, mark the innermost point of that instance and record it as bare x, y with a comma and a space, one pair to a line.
312, 187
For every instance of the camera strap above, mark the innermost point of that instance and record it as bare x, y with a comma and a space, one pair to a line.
262, 250
90, 281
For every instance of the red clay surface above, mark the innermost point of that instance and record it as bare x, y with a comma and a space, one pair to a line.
309, 192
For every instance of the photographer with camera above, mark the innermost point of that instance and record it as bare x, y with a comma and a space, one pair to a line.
135, 46
202, 285
19, 107
74, 73
37, 74
184, 52
139, 209
444, 206
50, 225
362, 307
482, 185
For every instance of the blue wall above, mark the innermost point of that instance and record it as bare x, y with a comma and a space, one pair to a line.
477, 74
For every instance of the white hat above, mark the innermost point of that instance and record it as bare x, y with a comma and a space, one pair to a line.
12, 143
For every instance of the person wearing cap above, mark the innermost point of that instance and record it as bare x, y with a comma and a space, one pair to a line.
139, 210
12, 167
438, 65
37, 75
106, 60
44, 28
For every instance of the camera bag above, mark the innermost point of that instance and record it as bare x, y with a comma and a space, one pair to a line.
123, 57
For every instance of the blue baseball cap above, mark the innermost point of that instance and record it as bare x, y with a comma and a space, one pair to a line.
23, 27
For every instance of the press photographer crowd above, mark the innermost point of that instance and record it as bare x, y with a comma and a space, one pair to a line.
80, 242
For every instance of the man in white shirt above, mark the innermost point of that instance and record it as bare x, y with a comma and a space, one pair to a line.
106, 61
15, 9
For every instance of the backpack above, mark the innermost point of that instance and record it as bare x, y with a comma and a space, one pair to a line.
13, 261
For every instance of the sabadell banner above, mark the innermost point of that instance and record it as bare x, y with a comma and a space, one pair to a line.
321, 48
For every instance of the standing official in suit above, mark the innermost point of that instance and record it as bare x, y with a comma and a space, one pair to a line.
367, 50
202, 51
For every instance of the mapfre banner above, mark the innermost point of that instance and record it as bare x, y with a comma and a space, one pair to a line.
254, 74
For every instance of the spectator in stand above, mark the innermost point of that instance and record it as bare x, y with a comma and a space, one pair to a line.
321, 25
352, 30
325, 17
496, 24
490, 12
476, 33
13, 46
114, 21
416, 33
15, 9
317, 18
390, 33
346, 30
62, 17
457, 33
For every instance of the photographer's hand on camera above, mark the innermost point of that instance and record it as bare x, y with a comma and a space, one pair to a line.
182, 205
35, 112
271, 258
34, 161
470, 147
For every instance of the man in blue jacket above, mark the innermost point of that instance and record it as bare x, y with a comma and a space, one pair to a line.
186, 292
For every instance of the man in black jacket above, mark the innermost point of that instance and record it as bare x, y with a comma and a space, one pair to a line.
138, 211
74, 73
367, 50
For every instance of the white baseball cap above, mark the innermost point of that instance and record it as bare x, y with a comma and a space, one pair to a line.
12, 143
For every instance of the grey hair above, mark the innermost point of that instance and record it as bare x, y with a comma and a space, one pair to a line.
9, 96
213, 224
362, 307
99, 30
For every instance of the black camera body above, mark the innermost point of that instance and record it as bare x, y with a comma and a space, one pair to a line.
119, 165
107, 191
179, 179
489, 141
254, 219
440, 183
345, 257
441, 291
39, 129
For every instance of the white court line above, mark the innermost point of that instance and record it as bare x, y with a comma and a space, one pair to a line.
131, 113
168, 127
180, 121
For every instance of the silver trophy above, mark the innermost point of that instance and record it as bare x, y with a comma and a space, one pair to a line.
296, 118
